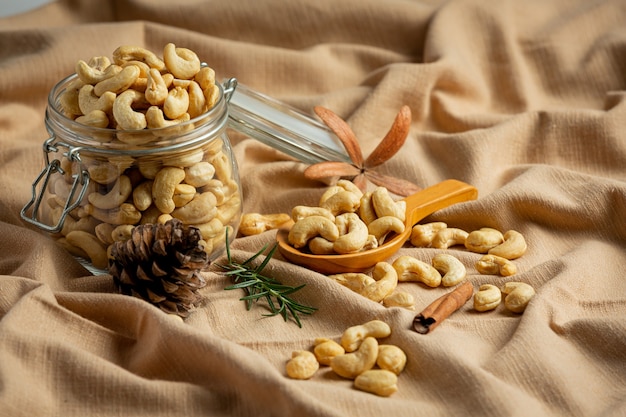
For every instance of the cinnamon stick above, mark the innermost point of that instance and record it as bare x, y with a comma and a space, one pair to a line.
442, 308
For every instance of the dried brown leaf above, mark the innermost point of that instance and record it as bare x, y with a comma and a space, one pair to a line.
393, 140
343, 132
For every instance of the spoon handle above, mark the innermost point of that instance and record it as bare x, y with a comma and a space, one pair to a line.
437, 197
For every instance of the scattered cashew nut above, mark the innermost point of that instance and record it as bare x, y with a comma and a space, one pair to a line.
391, 358
422, 235
377, 381
354, 336
256, 223
326, 349
450, 236
480, 241
412, 269
452, 269
513, 246
351, 365
495, 265
488, 297
517, 295
302, 365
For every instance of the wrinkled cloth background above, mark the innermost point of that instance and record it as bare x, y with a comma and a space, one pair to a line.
524, 100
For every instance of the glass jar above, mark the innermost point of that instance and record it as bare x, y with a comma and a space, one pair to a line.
100, 182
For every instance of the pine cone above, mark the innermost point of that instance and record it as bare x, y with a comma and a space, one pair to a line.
161, 264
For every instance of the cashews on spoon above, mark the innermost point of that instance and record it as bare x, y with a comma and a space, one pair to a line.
418, 206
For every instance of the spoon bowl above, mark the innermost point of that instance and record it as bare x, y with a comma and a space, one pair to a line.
418, 205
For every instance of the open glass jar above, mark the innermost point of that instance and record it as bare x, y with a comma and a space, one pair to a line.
97, 183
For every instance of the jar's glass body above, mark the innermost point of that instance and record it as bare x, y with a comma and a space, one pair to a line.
102, 182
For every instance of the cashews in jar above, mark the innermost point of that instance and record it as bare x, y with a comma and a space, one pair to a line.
141, 152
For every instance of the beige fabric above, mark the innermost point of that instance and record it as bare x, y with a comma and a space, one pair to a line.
524, 100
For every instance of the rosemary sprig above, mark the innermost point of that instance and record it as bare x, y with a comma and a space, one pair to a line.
258, 286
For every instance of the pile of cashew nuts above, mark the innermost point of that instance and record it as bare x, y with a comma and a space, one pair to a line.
138, 90
348, 220
345, 221
197, 185
357, 356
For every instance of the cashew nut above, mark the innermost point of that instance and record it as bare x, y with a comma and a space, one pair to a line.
183, 194
349, 186
412, 269
197, 101
400, 299
495, 265
391, 358
384, 205
205, 77
199, 174
69, 99
163, 187
302, 365
320, 246
422, 235
488, 297
223, 167
92, 246
513, 247
104, 232
119, 82
385, 282
115, 197
186, 159
211, 229
256, 223
355, 281
142, 195
366, 208
156, 120
325, 350
450, 236
88, 101
354, 336
383, 226
329, 192
156, 90
351, 365
377, 381
452, 269
304, 230
177, 103
201, 209
517, 295
92, 74
122, 232
480, 241
355, 235
95, 118
127, 53
342, 202
300, 212
125, 116
182, 62
126, 213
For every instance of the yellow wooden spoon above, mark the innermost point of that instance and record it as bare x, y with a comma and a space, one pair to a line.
418, 206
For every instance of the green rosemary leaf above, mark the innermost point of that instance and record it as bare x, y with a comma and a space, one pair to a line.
258, 286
